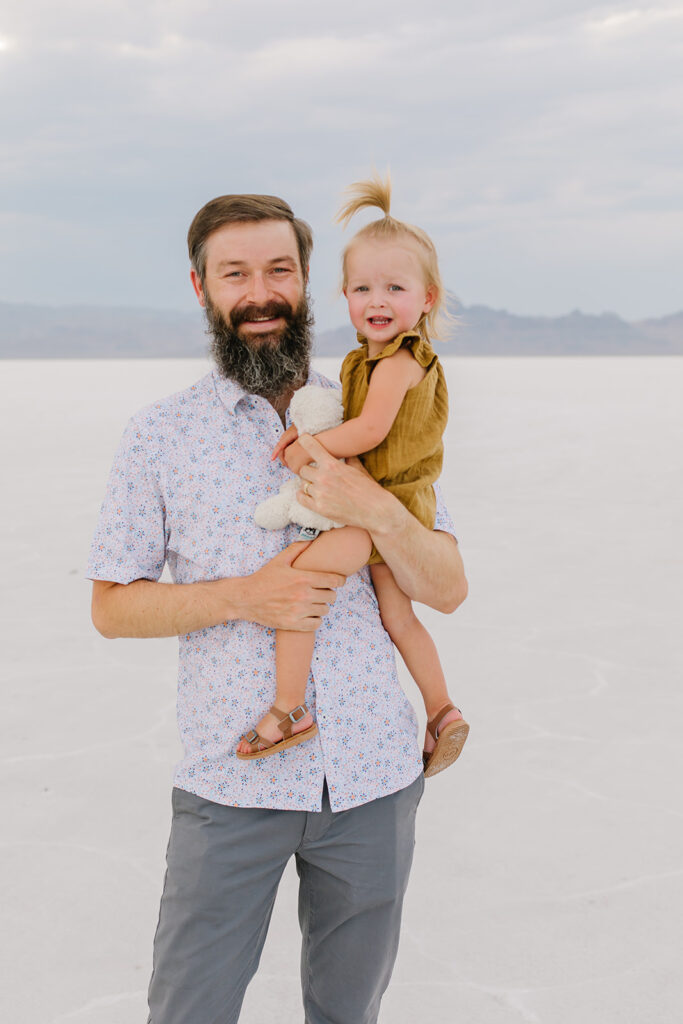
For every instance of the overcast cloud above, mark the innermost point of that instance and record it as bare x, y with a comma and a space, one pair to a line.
539, 143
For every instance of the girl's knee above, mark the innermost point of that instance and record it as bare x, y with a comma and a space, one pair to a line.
397, 616
358, 540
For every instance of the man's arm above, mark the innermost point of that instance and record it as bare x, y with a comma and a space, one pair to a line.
426, 563
276, 595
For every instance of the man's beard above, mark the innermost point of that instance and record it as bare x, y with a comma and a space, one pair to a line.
270, 364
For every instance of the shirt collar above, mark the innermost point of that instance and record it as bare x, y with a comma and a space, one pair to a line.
231, 393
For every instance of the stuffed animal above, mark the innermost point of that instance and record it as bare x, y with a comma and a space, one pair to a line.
312, 409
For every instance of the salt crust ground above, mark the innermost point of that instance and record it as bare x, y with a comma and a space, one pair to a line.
548, 880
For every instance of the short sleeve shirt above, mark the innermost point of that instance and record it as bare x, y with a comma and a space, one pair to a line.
182, 491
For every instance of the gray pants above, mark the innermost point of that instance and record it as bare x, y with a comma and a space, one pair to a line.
224, 866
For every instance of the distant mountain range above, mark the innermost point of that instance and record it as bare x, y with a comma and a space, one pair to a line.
92, 332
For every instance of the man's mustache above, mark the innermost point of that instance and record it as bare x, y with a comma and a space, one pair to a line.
270, 311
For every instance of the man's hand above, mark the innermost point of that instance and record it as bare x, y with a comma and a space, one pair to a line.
344, 491
283, 597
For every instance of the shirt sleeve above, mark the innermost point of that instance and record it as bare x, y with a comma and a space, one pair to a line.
443, 519
130, 538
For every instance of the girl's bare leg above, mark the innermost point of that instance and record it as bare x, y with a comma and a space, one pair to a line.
415, 645
345, 550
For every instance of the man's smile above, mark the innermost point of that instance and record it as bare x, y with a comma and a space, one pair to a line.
263, 320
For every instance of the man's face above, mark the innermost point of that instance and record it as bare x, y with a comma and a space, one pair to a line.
256, 306
250, 267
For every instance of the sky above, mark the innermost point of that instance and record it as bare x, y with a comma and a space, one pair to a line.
539, 143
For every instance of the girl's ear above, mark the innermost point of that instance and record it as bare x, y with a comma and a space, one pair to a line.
430, 298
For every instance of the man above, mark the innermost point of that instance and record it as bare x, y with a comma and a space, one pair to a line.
184, 484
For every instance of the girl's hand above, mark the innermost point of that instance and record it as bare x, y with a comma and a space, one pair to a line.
295, 457
287, 438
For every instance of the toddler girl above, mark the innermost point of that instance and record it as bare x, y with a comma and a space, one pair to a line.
395, 411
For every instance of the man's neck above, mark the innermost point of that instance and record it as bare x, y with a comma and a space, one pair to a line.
281, 404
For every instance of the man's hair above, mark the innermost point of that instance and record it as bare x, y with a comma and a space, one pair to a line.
238, 210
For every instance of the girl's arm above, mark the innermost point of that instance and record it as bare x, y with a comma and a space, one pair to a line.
390, 381
290, 435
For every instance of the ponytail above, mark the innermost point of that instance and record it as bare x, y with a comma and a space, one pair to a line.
374, 193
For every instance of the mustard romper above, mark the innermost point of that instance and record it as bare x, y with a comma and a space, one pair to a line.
409, 459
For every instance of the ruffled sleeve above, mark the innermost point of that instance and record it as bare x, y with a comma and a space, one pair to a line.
421, 349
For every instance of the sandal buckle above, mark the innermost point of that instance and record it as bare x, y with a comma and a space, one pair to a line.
292, 716
251, 737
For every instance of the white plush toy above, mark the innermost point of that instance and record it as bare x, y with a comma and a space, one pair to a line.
312, 409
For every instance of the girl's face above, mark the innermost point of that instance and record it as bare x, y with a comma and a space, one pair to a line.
385, 288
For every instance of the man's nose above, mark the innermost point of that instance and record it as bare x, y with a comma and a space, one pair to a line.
258, 289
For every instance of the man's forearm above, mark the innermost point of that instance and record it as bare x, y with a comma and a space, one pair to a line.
145, 608
278, 595
426, 563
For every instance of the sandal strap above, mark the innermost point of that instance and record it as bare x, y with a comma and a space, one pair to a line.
288, 718
252, 737
438, 718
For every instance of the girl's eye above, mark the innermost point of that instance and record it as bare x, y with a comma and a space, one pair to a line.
395, 288
361, 288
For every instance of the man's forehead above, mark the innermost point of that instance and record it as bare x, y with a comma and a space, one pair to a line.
260, 241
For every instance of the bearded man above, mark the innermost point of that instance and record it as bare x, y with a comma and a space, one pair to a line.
188, 474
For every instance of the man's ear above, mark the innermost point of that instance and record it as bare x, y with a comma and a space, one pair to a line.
197, 285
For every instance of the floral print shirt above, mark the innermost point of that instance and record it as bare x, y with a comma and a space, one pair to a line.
187, 476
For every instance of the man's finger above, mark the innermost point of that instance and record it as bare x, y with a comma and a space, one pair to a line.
314, 448
323, 580
355, 463
292, 551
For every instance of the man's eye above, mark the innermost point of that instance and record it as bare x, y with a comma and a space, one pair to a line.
233, 273
281, 270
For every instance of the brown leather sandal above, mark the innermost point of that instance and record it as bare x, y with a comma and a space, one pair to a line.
449, 741
264, 747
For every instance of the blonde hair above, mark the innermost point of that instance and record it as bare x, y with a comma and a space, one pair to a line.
377, 192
